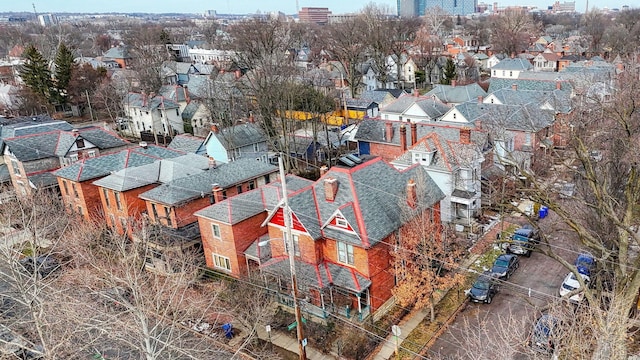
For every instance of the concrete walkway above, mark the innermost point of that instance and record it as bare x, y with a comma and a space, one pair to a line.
291, 344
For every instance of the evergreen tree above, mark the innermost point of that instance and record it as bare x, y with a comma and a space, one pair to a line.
64, 64
35, 73
449, 72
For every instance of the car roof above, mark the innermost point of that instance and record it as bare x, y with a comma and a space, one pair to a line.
524, 231
506, 256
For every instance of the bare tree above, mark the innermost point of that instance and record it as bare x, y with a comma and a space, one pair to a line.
511, 31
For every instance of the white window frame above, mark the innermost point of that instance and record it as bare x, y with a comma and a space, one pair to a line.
341, 222
296, 243
91, 153
215, 231
221, 262
345, 253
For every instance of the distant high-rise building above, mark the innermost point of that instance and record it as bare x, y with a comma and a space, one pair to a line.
314, 15
410, 8
47, 19
564, 7
210, 14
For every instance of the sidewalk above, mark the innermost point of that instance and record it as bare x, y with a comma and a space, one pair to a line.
291, 344
415, 318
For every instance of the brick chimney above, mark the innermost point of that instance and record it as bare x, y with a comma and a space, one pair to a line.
465, 135
453, 82
212, 163
558, 85
251, 118
214, 128
514, 86
388, 131
414, 133
187, 98
323, 170
330, 188
238, 74
217, 192
403, 137
480, 99
412, 196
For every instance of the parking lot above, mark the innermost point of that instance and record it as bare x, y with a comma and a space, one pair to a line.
499, 330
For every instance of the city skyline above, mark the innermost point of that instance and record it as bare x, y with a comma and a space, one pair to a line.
244, 6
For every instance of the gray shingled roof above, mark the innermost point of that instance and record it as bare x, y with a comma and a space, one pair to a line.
516, 64
457, 94
4, 174
191, 187
560, 100
187, 143
190, 110
433, 108
449, 154
400, 105
173, 92
528, 118
118, 52
376, 187
243, 206
240, 135
57, 143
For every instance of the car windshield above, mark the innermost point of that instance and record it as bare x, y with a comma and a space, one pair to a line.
568, 287
502, 263
481, 285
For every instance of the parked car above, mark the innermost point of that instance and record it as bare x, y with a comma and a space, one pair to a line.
585, 263
543, 336
44, 265
483, 289
571, 283
505, 265
522, 241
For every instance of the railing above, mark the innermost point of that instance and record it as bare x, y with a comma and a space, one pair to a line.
320, 313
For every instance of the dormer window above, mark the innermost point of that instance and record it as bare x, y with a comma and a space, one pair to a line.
79, 143
341, 222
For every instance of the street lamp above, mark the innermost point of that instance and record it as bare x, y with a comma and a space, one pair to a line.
292, 262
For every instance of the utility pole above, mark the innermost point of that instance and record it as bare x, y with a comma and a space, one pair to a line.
292, 264
86, 92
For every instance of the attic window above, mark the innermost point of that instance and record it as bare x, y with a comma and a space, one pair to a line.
341, 222
454, 115
79, 143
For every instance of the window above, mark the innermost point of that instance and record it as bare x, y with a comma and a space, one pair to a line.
224, 194
215, 230
510, 73
91, 153
345, 253
105, 192
177, 112
123, 223
16, 167
239, 189
341, 222
75, 190
494, 73
118, 201
73, 157
252, 184
113, 220
66, 189
454, 115
296, 247
80, 210
267, 179
221, 262
167, 214
256, 147
79, 143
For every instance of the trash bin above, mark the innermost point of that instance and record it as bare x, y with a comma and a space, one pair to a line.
543, 212
228, 330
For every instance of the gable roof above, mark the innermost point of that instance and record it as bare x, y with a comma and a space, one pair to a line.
448, 155
516, 64
226, 175
103, 165
144, 102
187, 143
118, 52
559, 100
457, 94
238, 136
58, 143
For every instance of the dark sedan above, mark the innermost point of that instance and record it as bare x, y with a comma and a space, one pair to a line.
505, 265
484, 289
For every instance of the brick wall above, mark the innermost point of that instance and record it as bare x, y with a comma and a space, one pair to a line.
388, 152
131, 206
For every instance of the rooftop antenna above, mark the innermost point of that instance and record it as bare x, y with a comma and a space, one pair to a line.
297, 6
34, 10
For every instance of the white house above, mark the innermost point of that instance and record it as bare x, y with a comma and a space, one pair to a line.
455, 166
414, 109
406, 70
546, 61
245, 140
510, 68
151, 113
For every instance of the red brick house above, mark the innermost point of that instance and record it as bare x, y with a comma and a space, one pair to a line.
343, 226
80, 195
231, 229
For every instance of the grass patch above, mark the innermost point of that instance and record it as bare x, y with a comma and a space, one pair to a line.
426, 330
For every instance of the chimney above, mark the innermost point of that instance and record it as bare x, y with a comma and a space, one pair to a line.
403, 137
330, 188
212, 163
217, 192
453, 82
187, 98
514, 87
144, 97
238, 74
214, 128
465, 135
388, 131
414, 133
412, 196
416, 93
558, 85
323, 170
251, 118
480, 99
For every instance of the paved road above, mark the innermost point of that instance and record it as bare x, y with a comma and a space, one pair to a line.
499, 330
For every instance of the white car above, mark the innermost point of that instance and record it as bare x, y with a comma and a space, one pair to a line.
571, 283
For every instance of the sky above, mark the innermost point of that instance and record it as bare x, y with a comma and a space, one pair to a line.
244, 6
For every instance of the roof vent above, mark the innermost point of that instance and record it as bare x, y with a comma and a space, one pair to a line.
143, 144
